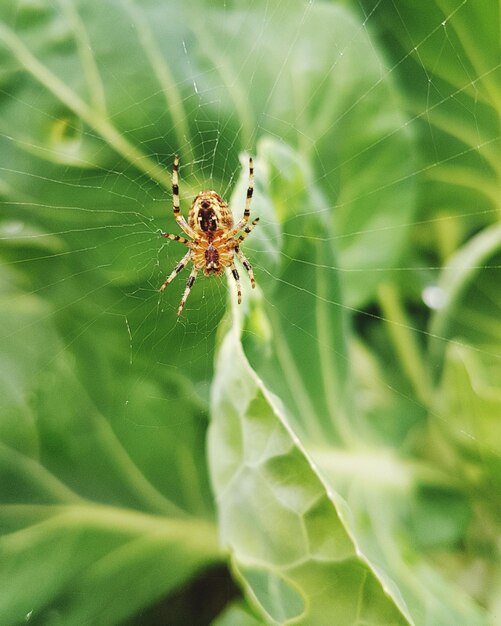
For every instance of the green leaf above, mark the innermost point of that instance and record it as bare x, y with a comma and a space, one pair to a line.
341, 115
353, 119
90, 409
285, 527
102, 552
299, 520
86, 505
237, 614
291, 327
452, 87
466, 343
467, 443
105, 499
469, 402
395, 504
392, 503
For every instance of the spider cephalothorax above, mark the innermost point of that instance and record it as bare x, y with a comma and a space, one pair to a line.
214, 242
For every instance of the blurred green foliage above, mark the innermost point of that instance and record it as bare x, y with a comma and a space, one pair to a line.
351, 404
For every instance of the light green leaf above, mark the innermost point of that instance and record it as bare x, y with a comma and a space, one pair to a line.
285, 527
292, 326
285, 508
392, 502
469, 402
397, 507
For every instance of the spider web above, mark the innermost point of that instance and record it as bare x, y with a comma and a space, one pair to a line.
86, 188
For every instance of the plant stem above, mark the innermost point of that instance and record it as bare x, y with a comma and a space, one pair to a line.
404, 341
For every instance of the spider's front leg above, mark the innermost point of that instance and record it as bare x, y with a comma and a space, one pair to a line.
176, 238
175, 201
250, 190
248, 230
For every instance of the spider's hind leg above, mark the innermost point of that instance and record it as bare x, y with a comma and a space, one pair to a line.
182, 263
189, 285
234, 271
247, 266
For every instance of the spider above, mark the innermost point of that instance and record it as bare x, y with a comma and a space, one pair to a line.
214, 242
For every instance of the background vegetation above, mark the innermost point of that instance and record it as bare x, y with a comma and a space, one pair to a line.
352, 471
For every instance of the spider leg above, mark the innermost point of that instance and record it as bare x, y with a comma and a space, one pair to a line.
182, 263
250, 191
234, 271
175, 201
175, 187
247, 265
189, 285
176, 238
247, 230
